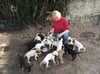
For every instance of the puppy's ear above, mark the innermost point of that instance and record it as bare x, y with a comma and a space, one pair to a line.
53, 37
73, 40
19, 55
42, 47
59, 38
25, 58
63, 47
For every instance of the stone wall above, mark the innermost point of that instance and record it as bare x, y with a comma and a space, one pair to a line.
84, 8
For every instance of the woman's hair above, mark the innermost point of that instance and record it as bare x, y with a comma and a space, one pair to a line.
49, 17
54, 13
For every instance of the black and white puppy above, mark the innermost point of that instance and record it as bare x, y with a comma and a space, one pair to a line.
69, 46
50, 34
76, 43
32, 43
69, 49
40, 36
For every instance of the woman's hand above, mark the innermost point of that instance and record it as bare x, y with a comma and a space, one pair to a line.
60, 35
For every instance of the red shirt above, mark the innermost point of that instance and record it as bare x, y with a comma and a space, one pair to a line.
60, 25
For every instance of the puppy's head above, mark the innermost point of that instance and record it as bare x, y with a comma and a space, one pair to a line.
60, 39
55, 53
74, 40
49, 33
38, 51
45, 40
71, 41
61, 52
41, 35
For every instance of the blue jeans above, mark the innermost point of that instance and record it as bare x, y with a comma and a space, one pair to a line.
65, 36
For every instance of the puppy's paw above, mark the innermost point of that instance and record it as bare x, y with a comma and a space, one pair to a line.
62, 62
35, 58
57, 63
73, 58
47, 66
54, 62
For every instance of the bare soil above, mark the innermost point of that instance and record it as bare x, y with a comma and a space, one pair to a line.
88, 62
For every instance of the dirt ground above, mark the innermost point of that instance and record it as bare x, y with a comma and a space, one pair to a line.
86, 32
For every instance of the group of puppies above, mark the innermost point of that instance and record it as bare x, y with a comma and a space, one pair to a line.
54, 48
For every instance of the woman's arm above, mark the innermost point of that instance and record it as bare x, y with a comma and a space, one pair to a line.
52, 30
64, 32
61, 34
66, 27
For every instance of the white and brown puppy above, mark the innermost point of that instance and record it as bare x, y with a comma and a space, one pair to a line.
79, 45
32, 53
60, 56
60, 49
48, 57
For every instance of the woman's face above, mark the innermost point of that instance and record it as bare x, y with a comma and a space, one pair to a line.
54, 18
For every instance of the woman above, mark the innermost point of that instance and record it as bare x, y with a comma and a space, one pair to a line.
60, 27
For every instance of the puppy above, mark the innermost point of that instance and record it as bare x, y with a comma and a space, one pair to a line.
60, 56
39, 45
78, 45
69, 46
39, 36
60, 44
69, 49
31, 44
70, 41
47, 41
50, 35
48, 57
42, 36
32, 53
24, 65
